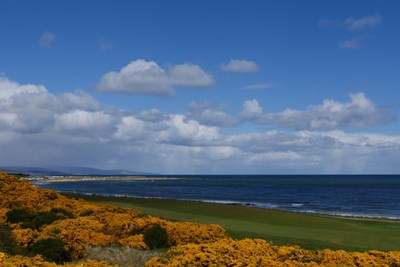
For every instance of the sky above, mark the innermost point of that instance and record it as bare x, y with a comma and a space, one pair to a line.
201, 87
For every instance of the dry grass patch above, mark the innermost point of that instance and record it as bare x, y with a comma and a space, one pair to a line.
122, 256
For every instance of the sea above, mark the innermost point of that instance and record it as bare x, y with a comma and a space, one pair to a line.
344, 195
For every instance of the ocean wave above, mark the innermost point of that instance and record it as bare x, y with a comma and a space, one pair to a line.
38, 184
297, 204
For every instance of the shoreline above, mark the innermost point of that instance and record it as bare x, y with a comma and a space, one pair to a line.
83, 178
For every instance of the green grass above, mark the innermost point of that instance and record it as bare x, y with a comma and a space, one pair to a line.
309, 231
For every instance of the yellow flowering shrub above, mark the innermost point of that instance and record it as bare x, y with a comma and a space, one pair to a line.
78, 233
90, 263
115, 223
145, 221
16, 196
24, 237
187, 232
133, 241
250, 252
21, 261
3, 257
3, 217
37, 261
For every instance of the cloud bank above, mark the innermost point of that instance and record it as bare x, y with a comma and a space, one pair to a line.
359, 112
40, 128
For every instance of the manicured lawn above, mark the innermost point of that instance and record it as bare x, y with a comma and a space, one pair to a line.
309, 231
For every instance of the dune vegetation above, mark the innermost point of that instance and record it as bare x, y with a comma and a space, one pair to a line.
40, 227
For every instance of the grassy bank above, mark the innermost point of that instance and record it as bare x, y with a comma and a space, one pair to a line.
306, 230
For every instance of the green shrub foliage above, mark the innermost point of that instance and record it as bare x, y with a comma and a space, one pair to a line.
23, 216
51, 249
31, 219
7, 243
155, 237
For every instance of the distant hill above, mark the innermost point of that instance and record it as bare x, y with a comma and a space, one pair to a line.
66, 170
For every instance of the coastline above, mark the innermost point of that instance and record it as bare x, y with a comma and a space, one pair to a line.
80, 178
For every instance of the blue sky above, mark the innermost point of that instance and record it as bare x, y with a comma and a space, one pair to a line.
201, 86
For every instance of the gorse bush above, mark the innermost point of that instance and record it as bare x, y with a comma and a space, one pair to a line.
52, 249
136, 231
86, 213
7, 242
29, 218
155, 237
62, 213
22, 215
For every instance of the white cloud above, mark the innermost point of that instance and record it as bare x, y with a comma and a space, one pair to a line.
130, 128
209, 114
363, 23
353, 24
147, 77
139, 76
9, 88
331, 114
181, 131
276, 156
47, 39
251, 110
189, 75
31, 108
236, 65
152, 115
85, 122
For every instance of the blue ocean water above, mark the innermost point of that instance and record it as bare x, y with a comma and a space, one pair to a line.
347, 195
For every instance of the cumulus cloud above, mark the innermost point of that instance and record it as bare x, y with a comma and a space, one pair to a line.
85, 122
147, 77
182, 131
47, 39
189, 75
31, 108
236, 65
39, 128
208, 114
139, 76
251, 110
331, 114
